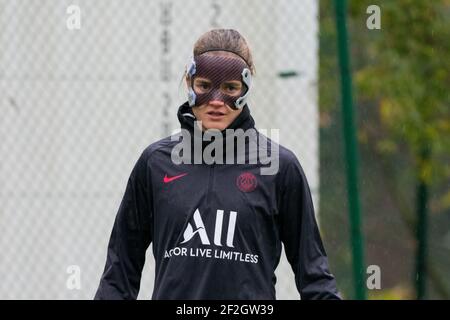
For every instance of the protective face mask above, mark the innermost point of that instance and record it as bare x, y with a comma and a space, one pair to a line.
218, 70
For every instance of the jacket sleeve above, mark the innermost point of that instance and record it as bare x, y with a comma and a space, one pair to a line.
130, 237
301, 238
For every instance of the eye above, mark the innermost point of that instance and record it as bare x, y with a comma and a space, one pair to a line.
202, 86
231, 88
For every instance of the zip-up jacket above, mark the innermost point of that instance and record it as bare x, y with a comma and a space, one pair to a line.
217, 229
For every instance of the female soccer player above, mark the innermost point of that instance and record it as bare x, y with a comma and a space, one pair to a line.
216, 219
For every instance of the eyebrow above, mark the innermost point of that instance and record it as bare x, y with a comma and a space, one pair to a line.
203, 80
233, 82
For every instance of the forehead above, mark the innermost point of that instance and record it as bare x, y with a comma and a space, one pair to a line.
219, 67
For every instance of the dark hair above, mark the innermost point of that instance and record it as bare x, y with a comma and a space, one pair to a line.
226, 40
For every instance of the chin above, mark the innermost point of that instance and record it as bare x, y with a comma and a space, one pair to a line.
218, 126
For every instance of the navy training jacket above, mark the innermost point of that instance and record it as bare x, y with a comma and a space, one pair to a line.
217, 229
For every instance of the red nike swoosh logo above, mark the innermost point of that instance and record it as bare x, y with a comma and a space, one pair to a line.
168, 179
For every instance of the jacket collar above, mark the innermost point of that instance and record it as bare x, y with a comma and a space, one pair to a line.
187, 120
186, 117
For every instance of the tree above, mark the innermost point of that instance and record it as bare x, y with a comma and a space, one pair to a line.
401, 80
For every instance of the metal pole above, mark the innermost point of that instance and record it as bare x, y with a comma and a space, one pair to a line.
351, 150
422, 224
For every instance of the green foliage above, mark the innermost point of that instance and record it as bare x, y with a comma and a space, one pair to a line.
408, 75
401, 93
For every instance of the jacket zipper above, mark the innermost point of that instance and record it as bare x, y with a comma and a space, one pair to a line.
210, 182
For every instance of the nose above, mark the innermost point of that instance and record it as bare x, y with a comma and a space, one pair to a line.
216, 103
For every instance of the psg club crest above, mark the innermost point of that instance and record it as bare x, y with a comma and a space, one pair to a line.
246, 182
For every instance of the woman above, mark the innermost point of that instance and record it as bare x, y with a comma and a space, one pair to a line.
217, 227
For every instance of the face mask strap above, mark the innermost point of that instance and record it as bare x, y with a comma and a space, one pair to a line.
247, 79
220, 49
191, 69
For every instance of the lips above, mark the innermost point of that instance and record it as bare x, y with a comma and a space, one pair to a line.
215, 113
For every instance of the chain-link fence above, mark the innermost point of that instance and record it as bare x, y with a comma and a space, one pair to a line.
85, 86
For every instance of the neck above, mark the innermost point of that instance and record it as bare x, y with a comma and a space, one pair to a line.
199, 137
